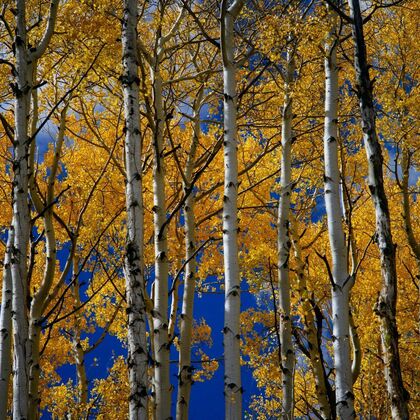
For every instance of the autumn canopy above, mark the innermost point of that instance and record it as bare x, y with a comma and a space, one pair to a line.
209, 209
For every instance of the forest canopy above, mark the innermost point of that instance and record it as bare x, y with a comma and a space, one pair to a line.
209, 209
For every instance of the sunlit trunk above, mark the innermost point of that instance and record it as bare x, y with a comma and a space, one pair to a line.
387, 300
25, 58
21, 219
283, 243
342, 282
231, 330
162, 386
133, 261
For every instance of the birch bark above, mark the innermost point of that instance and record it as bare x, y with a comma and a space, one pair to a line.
22, 88
353, 267
157, 116
283, 244
162, 386
387, 300
21, 218
231, 330
6, 328
133, 261
187, 315
342, 282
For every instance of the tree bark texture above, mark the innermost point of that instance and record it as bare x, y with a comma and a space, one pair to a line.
387, 300
133, 261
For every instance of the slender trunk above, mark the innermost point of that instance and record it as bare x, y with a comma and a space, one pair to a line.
408, 227
160, 315
342, 283
387, 300
21, 218
283, 243
321, 381
186, 322
22, 88
187, 315
6, 329
133, 261
231, 330
352, 266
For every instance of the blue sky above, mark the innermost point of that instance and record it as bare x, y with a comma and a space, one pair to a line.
207, 399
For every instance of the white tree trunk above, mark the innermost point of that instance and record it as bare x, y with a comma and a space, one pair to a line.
283, 243
342, 283
21, 218
6, 329
133, 261
162, 386
387, 300
231, 330
187, 315
352, 250
24, 63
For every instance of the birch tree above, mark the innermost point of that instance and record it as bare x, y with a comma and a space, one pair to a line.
231, 330
24, 59
160, 314
387, 300
283, 241
187, 314
6, 328
20, 222
156, 115
133, 262
85, 226
342, 281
